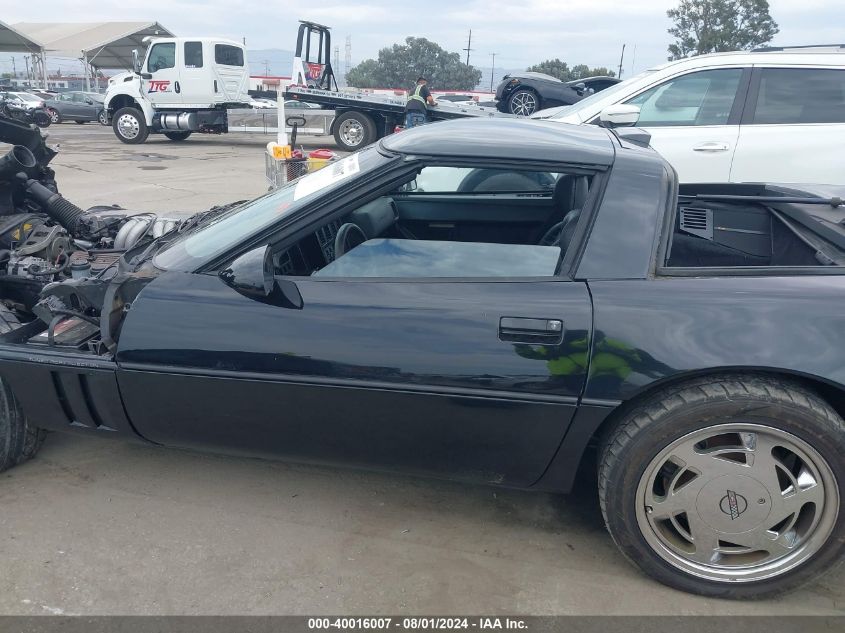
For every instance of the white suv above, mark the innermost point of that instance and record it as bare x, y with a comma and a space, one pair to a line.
775, 115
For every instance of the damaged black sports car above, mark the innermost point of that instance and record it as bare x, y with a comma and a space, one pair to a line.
496, 300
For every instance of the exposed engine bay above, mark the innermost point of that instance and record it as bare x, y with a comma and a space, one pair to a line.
57, 261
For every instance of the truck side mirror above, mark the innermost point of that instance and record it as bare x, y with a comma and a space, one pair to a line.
136, 62
619, 115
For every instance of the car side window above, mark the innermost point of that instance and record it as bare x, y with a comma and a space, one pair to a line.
228, 55
800, 95
66, 97
702, 98
193, 54
471, 222
162, 56
78, 97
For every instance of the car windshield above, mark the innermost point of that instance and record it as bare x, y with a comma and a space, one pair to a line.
588, 102
214, 237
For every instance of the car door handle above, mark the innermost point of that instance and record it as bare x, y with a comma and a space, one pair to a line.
538, 331
177, 88
711, 146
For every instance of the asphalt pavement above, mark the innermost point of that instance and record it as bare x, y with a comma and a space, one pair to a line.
93, 526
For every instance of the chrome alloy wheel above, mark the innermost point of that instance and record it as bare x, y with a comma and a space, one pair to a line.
352, 132
128, 126
523, 103
737, 502
54, 115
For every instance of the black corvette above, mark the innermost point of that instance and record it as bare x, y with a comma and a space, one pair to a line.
492, 300
525, 93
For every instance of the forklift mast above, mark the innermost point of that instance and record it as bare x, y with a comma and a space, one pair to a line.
312, 66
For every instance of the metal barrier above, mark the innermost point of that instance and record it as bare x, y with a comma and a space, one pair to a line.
266, 121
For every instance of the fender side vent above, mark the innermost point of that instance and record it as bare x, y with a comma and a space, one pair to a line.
697, 221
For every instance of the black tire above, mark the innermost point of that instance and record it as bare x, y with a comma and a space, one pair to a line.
129, 126
177, 136
55, 116
641, 436
103, 117
18, 440
41, 118
354, 130
524, 102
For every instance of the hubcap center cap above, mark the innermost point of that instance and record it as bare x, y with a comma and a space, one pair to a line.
733, 504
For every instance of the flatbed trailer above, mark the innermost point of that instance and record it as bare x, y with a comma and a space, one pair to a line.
361, 118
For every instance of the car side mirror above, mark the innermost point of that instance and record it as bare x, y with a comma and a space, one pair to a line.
89, 101
580, 87
252, 275
619, 115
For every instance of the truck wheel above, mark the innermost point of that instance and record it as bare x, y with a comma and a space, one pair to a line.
177, 136
18, 440
129, 126
524, 102
354, 130
728, 486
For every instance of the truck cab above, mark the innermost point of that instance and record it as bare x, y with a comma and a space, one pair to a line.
182, 85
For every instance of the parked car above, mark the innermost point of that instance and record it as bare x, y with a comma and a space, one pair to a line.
80, 107
295, 104
525, 93
560, 294
766, 115
262, 104
24, 100
26, 111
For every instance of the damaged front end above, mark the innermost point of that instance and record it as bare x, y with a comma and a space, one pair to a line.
67, 275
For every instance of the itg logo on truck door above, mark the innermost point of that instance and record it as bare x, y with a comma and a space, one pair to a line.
159, 85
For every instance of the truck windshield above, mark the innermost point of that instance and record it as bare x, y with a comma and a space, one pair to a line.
213, 237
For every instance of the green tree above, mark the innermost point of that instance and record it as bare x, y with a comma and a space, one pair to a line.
400, 65
709, 26
562, 71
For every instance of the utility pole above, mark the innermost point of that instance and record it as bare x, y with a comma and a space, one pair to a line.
469, 46
266, 63
347, 60
14, 69
620, 62
26, 61
492, 70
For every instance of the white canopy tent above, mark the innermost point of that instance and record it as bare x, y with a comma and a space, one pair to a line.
13, 41
98, 44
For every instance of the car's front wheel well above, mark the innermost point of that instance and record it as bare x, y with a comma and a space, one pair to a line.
833, 394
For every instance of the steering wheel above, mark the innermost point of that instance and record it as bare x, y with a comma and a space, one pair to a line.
551, 237
348, 237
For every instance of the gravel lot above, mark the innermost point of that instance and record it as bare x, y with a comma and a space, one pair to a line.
99, 527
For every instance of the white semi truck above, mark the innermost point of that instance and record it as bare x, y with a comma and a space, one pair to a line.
183, 85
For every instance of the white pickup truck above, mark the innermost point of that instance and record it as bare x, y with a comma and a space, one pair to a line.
183, 85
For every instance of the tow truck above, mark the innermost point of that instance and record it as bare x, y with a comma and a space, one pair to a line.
182, 86
360, 118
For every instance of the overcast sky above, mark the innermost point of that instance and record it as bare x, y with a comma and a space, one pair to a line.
521, 32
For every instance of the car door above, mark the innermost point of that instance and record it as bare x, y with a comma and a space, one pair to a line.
195, 81
163, 88
792, 127
83, 107
693, 120
465, 378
